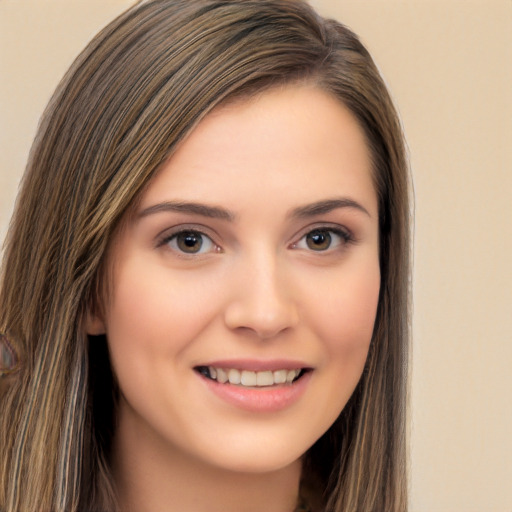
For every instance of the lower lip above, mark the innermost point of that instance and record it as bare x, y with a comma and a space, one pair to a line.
264, 399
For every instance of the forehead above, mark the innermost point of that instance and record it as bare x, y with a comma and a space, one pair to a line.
294, 142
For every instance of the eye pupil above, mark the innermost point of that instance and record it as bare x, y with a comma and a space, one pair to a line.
189, 242
318, 240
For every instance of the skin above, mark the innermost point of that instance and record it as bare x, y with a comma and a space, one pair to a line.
255, 290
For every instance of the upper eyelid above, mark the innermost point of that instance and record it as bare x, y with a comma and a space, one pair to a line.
168, 234
180, 228
165, 239
345, 236
327, 226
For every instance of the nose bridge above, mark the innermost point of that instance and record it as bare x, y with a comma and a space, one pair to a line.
262, 300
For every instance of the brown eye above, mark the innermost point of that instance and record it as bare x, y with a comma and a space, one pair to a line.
190, 242
324, 239
319, 240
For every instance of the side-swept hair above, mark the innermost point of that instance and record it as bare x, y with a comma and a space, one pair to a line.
133, 94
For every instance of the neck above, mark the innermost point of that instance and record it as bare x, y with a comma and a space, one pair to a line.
151, 476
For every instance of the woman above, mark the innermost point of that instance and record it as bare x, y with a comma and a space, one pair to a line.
204, 294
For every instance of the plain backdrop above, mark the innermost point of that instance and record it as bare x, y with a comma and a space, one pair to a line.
449, 67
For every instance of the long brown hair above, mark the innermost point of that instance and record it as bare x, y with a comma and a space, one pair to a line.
133, 94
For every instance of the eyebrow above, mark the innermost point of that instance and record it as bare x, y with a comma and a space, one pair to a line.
213, 212
326, 206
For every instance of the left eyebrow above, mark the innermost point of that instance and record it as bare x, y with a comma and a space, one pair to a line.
326, 206
203, 210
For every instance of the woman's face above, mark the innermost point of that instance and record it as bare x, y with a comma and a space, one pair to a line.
253, 256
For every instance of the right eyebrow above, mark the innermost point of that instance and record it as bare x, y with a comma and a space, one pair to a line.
326, 206
204, 210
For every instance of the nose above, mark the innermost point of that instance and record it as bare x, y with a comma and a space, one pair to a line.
262, 301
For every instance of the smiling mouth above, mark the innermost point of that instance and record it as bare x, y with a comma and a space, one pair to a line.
246, 378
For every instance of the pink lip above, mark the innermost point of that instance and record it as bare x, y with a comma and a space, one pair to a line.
265, 399
258, 365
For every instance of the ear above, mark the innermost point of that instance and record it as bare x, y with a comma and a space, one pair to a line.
94, 324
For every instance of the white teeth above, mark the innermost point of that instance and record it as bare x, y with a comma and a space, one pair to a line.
264, 379
253, 379
234, 376
280, 376
248, 378
222, 376
291, 374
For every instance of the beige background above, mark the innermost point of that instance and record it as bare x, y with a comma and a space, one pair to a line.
449, 66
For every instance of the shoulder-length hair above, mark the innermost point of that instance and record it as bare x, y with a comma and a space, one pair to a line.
133, 94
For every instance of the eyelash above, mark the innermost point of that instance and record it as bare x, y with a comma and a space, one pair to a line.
344, 237
169, 239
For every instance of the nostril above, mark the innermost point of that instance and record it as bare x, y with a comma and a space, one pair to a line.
266, 320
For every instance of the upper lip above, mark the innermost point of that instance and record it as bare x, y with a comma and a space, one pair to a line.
258, 365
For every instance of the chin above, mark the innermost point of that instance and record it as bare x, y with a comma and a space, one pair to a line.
257, 456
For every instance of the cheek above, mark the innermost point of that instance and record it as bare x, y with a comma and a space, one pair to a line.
343, 317
348, 307
346, 318
154, 315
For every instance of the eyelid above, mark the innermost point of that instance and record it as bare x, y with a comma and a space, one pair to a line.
166, 235
338, 229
